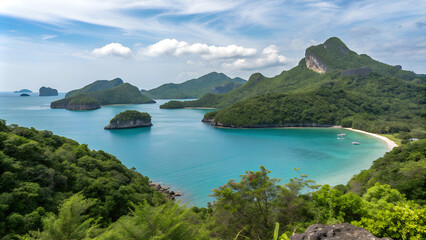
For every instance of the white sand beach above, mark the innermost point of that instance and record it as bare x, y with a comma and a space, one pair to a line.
391, 144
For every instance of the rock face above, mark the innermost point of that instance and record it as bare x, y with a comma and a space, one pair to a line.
130, 119
165, 190
343, 231
128, 124
314, 63
47, 91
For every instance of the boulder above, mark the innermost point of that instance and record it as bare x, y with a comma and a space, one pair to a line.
343, 231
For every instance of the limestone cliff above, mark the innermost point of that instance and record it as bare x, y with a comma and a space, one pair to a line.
315, 63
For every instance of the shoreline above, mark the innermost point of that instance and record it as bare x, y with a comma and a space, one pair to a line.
199, 108
390, 144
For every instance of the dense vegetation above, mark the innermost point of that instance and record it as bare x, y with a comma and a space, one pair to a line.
95, 86
195, 88
403, 168
323, 107
131, 115
54, 188
121, 94
39, 170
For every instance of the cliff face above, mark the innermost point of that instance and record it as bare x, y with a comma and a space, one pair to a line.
47, 91
117, 124
315, 63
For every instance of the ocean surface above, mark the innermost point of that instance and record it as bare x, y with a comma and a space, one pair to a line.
192, 157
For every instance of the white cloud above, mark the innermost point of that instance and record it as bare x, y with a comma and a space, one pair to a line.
112, 49
270, 57
172, 47
46, 37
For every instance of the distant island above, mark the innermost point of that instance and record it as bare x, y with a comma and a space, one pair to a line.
213, 82
24, 95
102, 92
47, 91
23, 91
130, 119
332, 85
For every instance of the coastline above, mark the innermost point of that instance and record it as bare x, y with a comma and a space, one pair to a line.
391, 144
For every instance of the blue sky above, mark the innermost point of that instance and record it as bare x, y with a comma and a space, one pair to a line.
67, 44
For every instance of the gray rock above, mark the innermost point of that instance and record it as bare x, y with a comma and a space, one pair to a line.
128, 124
342, 231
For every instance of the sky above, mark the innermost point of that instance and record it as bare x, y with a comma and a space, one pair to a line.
68, 44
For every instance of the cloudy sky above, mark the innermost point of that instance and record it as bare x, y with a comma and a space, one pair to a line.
67, 44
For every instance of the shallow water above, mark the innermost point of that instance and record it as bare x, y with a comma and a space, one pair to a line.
192, 157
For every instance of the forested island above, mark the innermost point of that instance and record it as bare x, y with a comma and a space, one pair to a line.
130, 119
55, 188
47, 91
195, 88
101, 92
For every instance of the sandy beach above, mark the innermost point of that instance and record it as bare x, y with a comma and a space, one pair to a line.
391, 144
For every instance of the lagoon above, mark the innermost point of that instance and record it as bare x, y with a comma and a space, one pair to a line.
192, 157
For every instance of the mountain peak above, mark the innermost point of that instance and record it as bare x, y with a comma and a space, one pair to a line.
321, 58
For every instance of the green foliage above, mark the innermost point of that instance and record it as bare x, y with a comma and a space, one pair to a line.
70, 223
38, 170
195, 88
95, 86
403, 168
131, 115
389, 214
168, 221
172, 105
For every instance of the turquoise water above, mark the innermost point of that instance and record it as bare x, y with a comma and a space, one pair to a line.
192, 157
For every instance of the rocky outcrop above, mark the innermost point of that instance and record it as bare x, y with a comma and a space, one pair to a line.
342, 231
121, 124
314, 63
47, 91
208, 120
363, 71
165, 190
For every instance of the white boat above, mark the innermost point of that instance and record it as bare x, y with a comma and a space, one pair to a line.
340, 138
341, 134
356, 143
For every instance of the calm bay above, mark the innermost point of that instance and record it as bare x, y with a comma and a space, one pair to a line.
192, 157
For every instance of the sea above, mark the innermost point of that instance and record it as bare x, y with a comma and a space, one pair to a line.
192, 157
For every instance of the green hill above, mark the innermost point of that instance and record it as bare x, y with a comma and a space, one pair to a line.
390, 99
339, 63
95, 86
121, 94
195, 88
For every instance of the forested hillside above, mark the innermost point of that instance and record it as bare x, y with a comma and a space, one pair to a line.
195, 88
